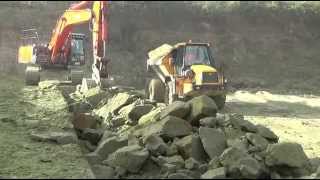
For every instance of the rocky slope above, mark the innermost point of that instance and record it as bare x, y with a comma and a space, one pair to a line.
134, 138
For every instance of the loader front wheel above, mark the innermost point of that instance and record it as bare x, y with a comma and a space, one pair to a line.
156, 90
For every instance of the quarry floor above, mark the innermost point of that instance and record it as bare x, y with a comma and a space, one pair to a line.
292, 117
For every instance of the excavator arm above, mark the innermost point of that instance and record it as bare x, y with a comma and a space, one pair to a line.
78, 14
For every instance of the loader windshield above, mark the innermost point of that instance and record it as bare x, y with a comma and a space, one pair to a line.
197, 54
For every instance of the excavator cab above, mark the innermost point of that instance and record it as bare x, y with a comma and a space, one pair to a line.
77, 53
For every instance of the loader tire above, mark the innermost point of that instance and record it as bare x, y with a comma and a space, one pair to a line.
220, 101
156, 91
32, 76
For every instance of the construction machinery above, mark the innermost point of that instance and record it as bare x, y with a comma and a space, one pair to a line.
183, 71
66, 50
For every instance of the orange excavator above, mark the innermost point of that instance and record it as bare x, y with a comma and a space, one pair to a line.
67, 49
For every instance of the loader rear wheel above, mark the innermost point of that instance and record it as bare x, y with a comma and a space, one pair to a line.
220, 101
156, 91
32, 75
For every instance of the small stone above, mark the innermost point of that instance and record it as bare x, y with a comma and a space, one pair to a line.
174, 160
209, 122
179, 176
178, 109
258, 141
218, 173
267, 133
203, 168
239, 143
214, 163
103, 172
92, 135
318, 172
172, 150
93, 158
191, 164
169, 168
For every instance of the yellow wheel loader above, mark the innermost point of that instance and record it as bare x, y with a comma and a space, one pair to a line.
183, 71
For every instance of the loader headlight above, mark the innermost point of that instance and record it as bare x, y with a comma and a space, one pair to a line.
190, 74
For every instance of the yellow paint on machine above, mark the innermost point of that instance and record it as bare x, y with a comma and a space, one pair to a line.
199, 69
25, 54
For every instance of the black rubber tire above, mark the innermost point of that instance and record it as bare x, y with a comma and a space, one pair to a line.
220, 101
156, 90
146, 88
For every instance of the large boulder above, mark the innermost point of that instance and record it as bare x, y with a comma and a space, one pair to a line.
169, 128
287, 154
84, 120
267, 133
135, 111
150, 117
155, 145
178, 108
238, 122
130, 158
213, 140
239, 164
201, 106
95, 95
92, 135
191, 147
110, 145
114, 105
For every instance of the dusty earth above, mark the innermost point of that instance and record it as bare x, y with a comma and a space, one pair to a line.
292, 117
25, 109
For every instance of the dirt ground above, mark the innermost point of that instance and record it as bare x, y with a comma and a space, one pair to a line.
26, 109
293, 118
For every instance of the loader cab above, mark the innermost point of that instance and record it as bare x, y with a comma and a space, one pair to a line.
191, 54
77, 51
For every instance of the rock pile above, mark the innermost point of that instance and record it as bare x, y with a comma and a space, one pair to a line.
186, 140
